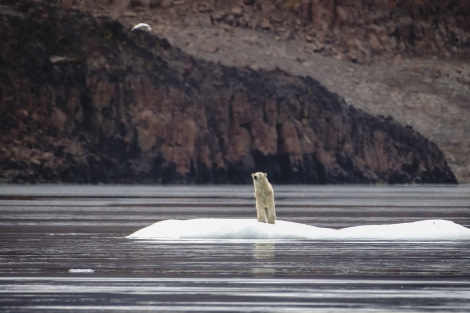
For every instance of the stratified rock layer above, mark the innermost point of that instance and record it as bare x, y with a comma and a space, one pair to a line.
85, 100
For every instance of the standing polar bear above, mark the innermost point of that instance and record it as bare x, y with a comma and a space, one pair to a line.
264, 194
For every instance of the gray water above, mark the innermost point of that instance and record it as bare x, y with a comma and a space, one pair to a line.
47, 232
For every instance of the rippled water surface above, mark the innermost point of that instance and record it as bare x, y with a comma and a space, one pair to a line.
63, 248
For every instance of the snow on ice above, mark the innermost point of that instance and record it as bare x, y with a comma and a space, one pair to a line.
222, 228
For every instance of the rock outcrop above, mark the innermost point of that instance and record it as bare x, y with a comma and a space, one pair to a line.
83, 99
357, 31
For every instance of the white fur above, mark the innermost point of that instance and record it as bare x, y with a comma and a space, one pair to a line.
264, 194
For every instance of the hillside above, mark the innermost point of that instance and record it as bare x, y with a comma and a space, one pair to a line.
84, 99
404, 59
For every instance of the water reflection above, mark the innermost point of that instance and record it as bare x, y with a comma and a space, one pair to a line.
264, 254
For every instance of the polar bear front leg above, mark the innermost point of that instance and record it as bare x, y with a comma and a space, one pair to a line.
261, 213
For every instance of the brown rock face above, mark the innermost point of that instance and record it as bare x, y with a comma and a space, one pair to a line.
86, 100
357, 31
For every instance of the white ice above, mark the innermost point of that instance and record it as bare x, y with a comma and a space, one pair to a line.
142, 26
81, 270
223, 228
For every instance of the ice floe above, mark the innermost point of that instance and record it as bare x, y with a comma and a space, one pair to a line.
223, 228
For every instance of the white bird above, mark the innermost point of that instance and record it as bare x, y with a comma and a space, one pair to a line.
142, 26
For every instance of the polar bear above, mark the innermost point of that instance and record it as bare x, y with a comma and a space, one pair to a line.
264, 194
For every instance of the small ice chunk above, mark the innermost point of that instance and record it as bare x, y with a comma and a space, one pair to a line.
81, 270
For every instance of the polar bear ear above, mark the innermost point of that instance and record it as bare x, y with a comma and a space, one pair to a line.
265, 174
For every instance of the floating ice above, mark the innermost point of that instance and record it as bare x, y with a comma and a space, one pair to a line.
81, 270
220, 228
142, 26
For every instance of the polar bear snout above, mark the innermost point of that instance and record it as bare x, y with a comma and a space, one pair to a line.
258, 175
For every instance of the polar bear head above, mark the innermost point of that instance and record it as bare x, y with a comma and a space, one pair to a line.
259, 177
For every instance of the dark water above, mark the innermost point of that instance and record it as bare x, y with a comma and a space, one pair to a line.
47, 233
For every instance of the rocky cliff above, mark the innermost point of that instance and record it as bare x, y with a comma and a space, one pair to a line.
352, 30
359, 31
84, 99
